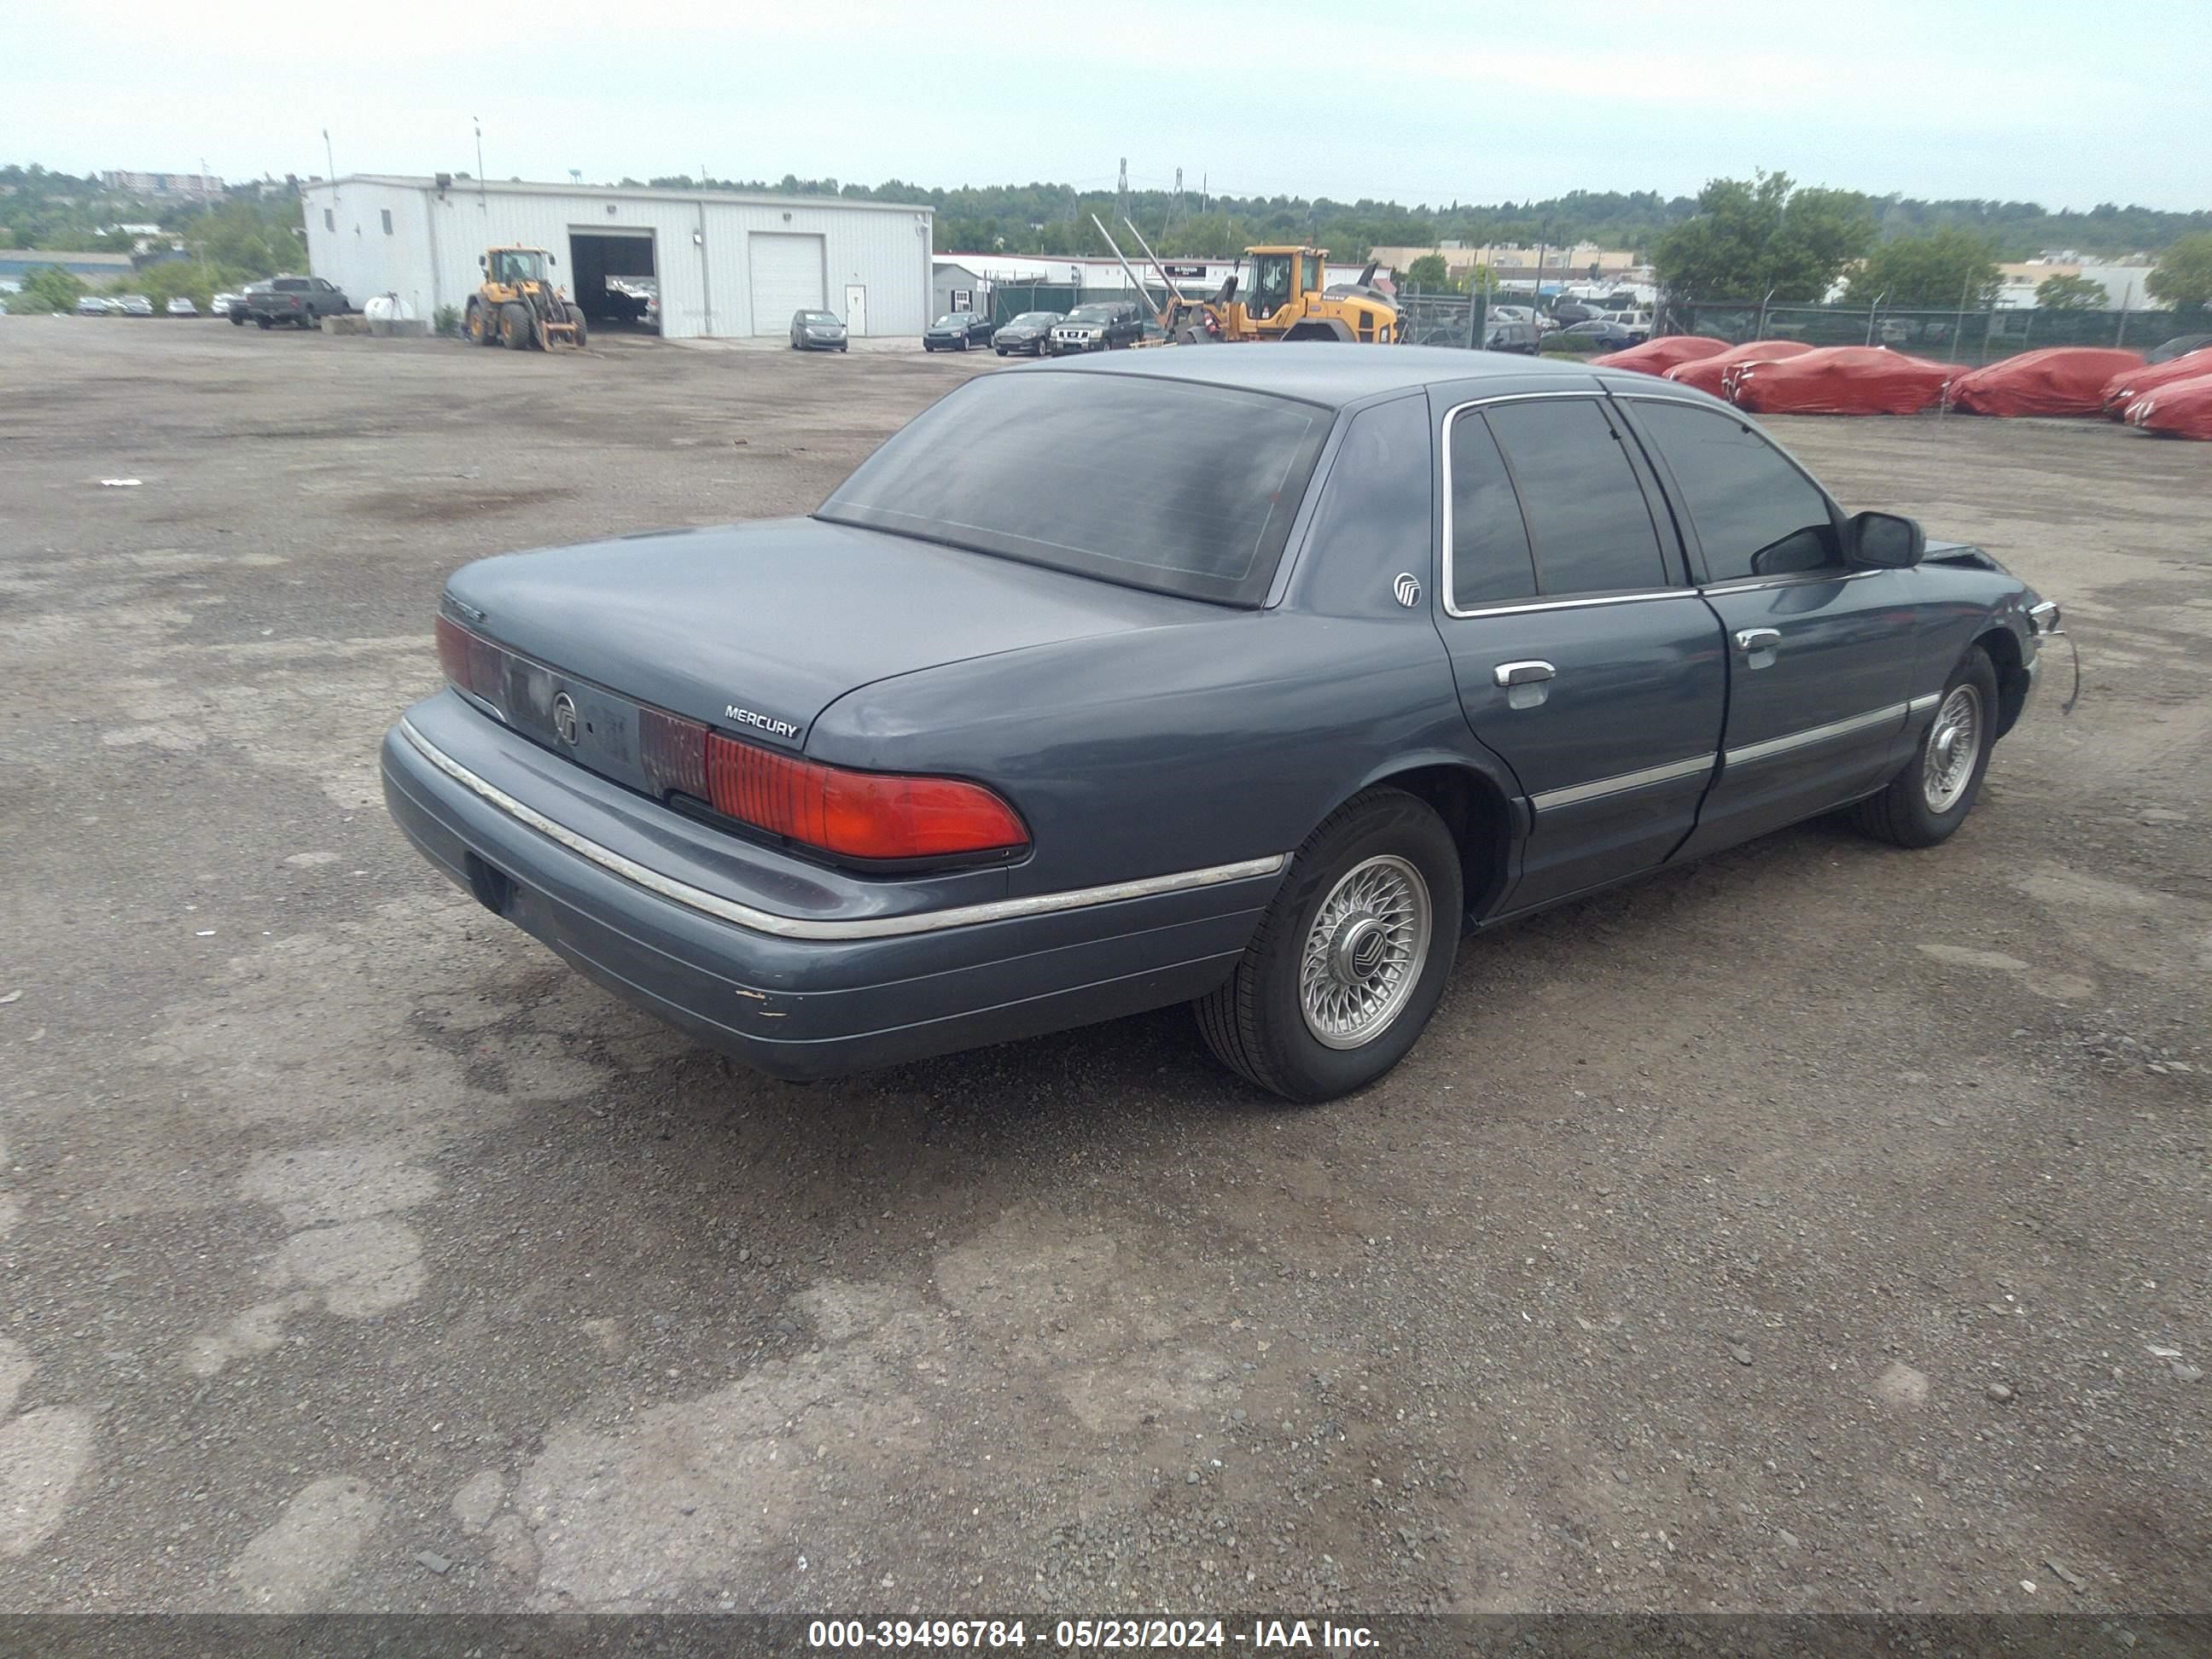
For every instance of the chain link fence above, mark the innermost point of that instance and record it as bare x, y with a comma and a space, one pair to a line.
1972, 335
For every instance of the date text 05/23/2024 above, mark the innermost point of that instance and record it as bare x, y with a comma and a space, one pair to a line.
1112, 1634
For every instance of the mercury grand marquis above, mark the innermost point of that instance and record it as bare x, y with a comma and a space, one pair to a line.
1251, 677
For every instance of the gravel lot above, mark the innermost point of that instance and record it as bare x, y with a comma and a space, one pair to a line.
1821, 1227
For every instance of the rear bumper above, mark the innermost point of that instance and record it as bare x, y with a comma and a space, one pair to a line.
802, 1008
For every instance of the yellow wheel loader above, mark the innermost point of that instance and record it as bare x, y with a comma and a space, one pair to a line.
1287, 299
518, 307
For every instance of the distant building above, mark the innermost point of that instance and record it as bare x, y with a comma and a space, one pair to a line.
16, 261
192, 186
954, 287
2123, 284
726, 262
1584, 262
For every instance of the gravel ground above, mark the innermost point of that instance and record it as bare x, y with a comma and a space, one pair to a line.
1821, 1227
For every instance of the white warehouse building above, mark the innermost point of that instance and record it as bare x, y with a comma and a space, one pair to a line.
724, 263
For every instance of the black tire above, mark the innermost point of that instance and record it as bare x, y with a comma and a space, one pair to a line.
478, 325
515, 332
583, 329
1001, 350
238, 319
1904, 813
265, 322
1255, 1024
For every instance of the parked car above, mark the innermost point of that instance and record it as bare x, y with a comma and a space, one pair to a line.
1504, 334
1106, 325
135, 304
1567, 312
181, 304
1025, 335
94, 304
241, 305
221, 304
983, 749
817, 330
302, 300
1598, 334
955, 331
2180, 346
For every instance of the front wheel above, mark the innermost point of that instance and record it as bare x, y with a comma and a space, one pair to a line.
265, 322
1933, 792
516, 332
1351, 958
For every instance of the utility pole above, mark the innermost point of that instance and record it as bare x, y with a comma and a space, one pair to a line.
1175, 205
330, 161
1121, 191
483, 205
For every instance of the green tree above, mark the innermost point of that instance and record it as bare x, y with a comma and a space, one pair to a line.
1428, 273
2183, 276
45, 288
1936, 269
1750, 236
2065, 293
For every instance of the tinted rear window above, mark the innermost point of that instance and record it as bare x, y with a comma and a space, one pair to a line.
1180, 488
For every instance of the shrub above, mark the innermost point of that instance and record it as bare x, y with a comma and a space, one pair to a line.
447, 321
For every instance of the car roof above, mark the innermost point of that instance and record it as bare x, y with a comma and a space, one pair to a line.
1333, 373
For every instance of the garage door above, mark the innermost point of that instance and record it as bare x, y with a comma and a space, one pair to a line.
786, 277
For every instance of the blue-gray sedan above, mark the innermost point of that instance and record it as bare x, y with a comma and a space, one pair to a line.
1248, 676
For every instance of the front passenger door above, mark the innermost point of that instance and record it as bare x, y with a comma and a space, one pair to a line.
1821, 652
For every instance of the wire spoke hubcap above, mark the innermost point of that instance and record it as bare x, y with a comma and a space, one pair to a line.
1364, 952
1954, 743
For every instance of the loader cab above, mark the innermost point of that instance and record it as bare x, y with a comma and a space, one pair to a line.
513, 266
1282, 278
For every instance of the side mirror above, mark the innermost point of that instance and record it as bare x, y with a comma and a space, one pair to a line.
1889, 540
483, 262
550, 260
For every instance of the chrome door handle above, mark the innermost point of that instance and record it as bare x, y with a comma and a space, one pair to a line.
1522, 673
1751, 639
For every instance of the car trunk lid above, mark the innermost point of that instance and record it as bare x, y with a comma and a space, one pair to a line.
755, 630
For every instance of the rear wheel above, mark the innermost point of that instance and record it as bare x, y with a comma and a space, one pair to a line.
583, 330
1352, 956
1933, 792
482, 327
265, 322
515, 328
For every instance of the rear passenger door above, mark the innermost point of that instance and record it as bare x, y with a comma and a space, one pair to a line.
1820, 653
1584, 659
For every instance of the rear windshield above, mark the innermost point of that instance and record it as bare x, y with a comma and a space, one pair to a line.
1180, 489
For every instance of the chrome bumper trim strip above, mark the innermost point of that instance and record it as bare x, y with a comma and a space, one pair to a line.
765, 922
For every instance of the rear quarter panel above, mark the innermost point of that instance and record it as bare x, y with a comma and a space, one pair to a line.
1174, 748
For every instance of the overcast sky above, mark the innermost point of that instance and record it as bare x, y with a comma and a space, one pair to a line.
2060, 101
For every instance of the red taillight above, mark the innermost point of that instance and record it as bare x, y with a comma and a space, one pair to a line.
859, 815
472, 662
854, 815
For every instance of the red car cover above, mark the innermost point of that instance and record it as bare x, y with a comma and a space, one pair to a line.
2056, 380
2129, 384
1843, 380
1657, 356
2179, 408
1711, 374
